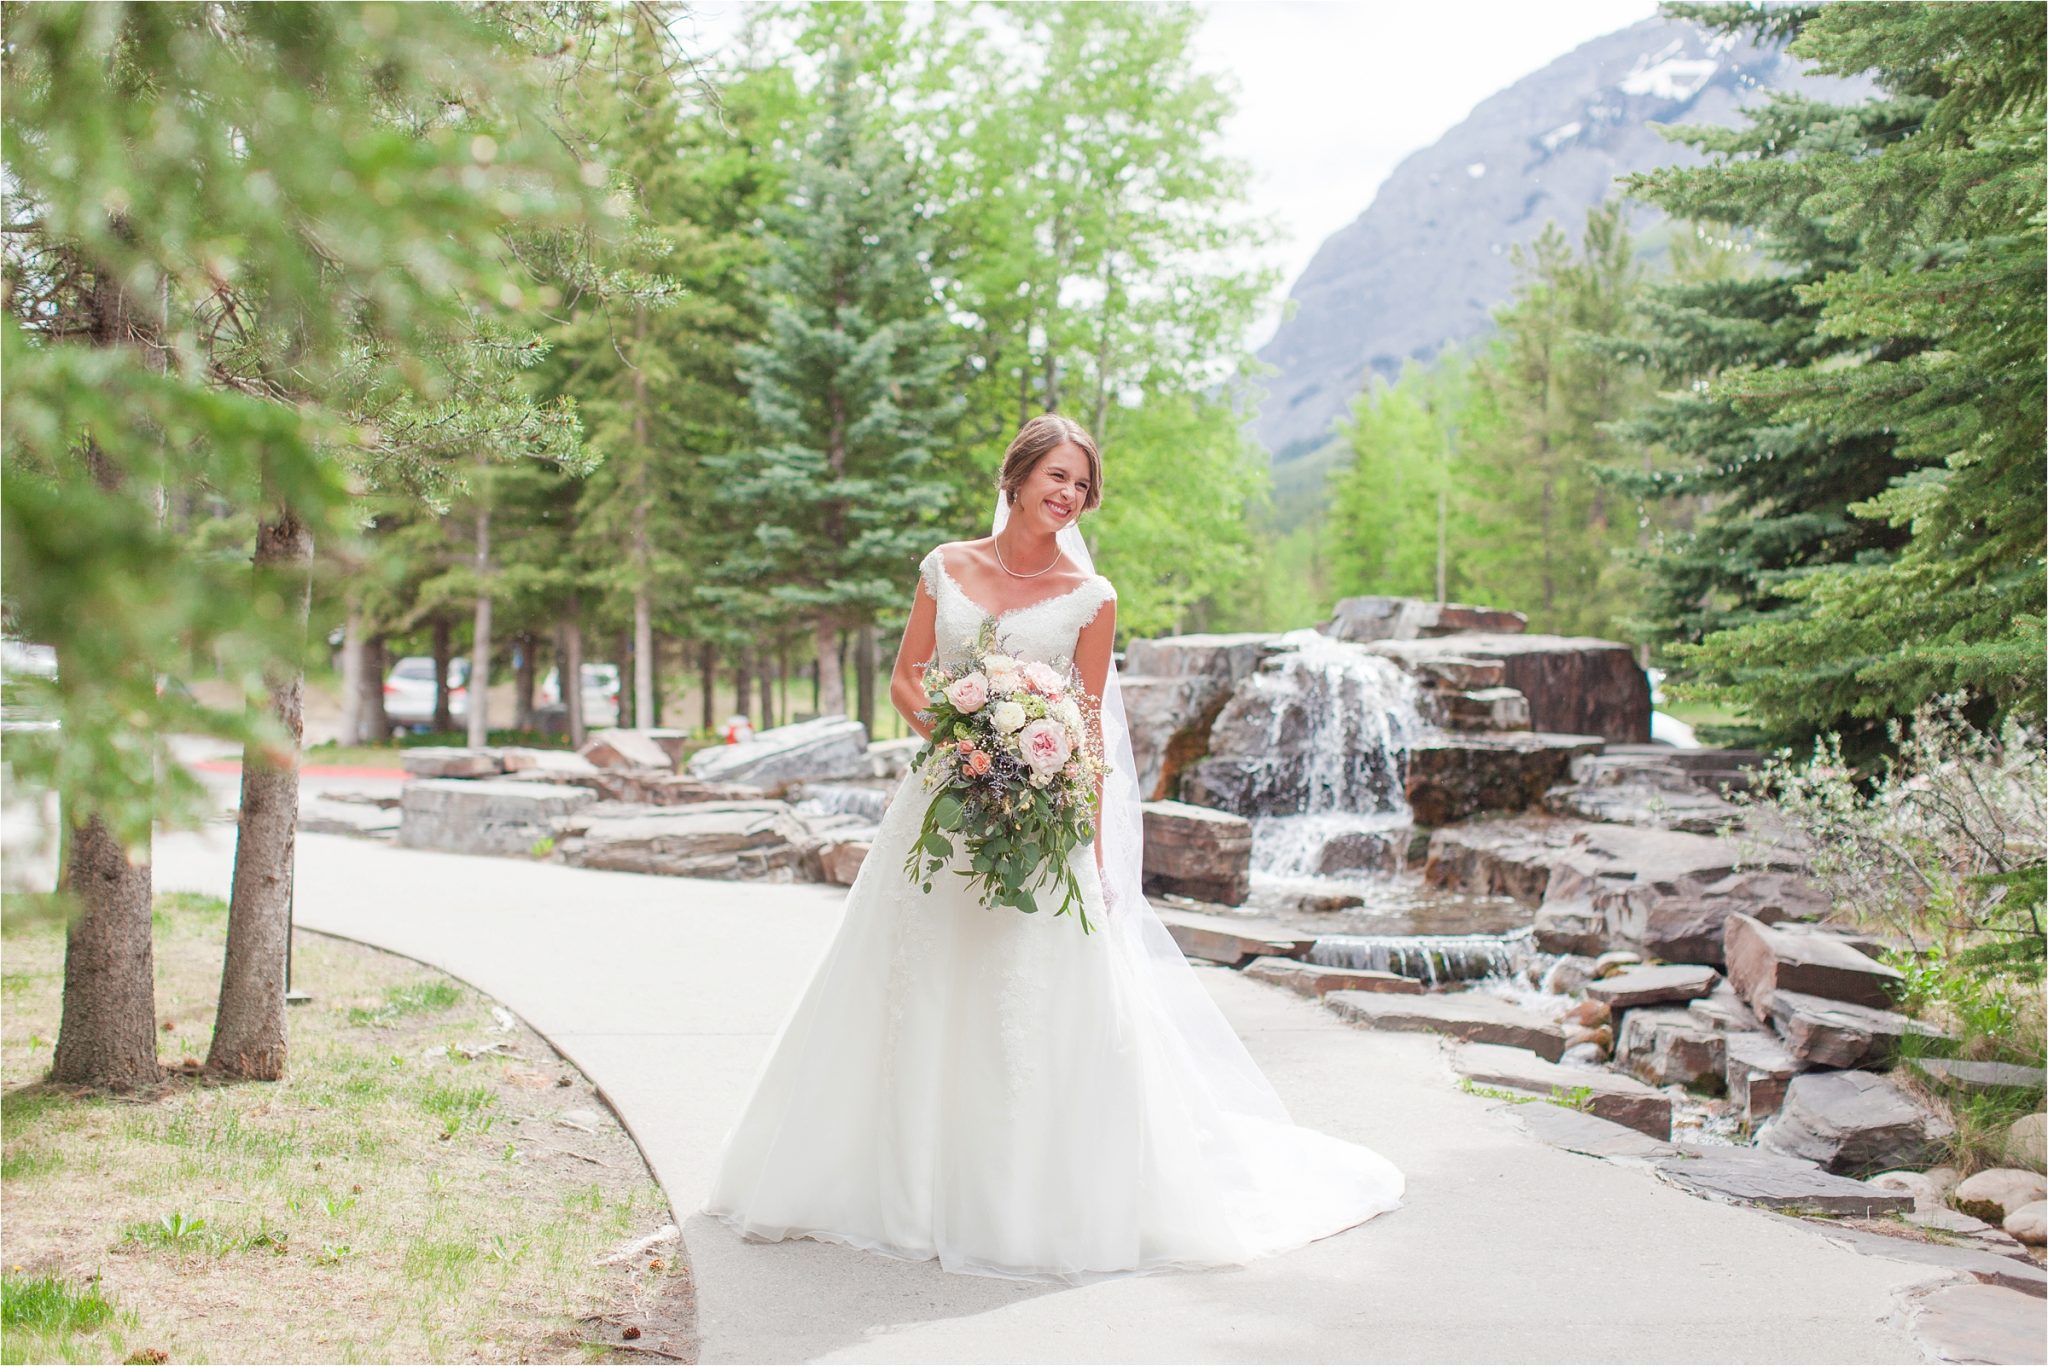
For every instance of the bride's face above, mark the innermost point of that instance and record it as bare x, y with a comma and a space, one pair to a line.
1055, 491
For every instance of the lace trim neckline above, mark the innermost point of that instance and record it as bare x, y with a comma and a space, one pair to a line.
946, 575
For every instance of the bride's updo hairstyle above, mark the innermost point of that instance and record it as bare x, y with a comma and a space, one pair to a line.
1037, 439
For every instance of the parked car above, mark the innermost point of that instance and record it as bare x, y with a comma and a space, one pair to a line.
409, 691
600, 693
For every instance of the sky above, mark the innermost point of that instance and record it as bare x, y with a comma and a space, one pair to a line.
1332, 94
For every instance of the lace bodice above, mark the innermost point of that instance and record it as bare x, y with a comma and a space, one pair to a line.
1045, 630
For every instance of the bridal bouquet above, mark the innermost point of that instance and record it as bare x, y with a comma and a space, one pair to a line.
1014, 775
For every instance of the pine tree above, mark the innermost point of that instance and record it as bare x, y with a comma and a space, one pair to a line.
1869, 419
851, 386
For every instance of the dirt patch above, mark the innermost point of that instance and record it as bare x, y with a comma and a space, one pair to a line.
431, 1181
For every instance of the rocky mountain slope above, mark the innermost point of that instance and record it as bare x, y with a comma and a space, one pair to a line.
1428, 260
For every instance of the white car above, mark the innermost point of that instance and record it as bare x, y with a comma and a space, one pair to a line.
600, 693
409, 691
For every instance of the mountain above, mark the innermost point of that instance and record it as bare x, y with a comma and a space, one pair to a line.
1428, 260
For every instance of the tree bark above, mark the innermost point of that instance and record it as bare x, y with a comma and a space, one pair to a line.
707, 660
354, 727
766, 679
831, 681
643, 659
107, 1036
249, 1029
864, 672
742, 680
522, 682
569, 668
628, 693
480, 649
370, 710
782, 677
444, 657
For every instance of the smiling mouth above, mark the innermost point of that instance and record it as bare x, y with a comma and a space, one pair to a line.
1059, 509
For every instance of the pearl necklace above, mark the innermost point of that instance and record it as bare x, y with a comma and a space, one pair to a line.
998, 541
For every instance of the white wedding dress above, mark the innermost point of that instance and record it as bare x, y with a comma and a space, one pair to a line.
1011, 1096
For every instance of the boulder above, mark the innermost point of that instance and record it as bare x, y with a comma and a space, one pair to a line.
1623, 1100
1722, 1009
471, 816
444, 761
1663, 1046
1837, 1034
1614, 962
1575, 685
622, 748
1589, 1013
1993, 1194
2029, 1223
839, 861
1756, 1069
1854, 1123
1666, 893
1497, 856
1926, 1194
1752, 1176
1386, 618
655, 787
2026, 1142
891, 758
1467, 1015
556, 764
1644, 986
1762, 960
1231, 941
1311, 980
1476, 708
1568, 976
1197, 852
1452, 775
827, 747
1640, 785
753, 841
1574, 930
1173, 689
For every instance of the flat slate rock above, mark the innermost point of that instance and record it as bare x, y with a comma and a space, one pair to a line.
1649, 986
1752, 1176
1977, 1323
1230, 941
451, 761
1987, 1267
1721, 1009
1471, 1016
1624, 1100
1578, 1132
1312, 980
1984, 1076
1854, 1123
1829, 1033
1763, 961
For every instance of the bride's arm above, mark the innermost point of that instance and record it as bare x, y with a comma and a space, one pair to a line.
906, 684
1091, 657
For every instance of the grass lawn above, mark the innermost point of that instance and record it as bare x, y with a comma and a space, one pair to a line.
413, 1191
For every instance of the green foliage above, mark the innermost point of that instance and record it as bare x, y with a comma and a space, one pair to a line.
51, 1305
1877, 411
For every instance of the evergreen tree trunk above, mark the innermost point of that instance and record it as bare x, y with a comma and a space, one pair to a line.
767, 688
354, 726
864, 670
628, 693
522, 682
742, 680
569, 667
831, 681
248, 1029
480, 651
707, 661
107, 1037
643, 658
370, 714
444, 656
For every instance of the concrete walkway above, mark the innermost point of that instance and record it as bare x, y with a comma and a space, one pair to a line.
667, 992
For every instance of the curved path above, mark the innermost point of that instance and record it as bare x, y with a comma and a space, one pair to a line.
666, 992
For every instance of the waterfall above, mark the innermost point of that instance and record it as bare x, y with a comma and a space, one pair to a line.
1433, 958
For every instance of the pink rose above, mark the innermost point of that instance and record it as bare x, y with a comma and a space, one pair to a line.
1042, 679
1044, 746
968, 694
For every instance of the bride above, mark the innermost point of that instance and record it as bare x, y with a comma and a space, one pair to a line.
999, 1090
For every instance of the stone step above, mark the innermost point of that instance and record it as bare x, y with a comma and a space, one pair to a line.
1623, 1100
1837, 1034
1854, 1123
482, 816
1763, 961
1647, 986
1230, 941
1753, 1176
1469, 1016
1311, 980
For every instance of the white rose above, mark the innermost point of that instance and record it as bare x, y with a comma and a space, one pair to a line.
1007, 718
1004, 662
1003, 682
1069, 715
